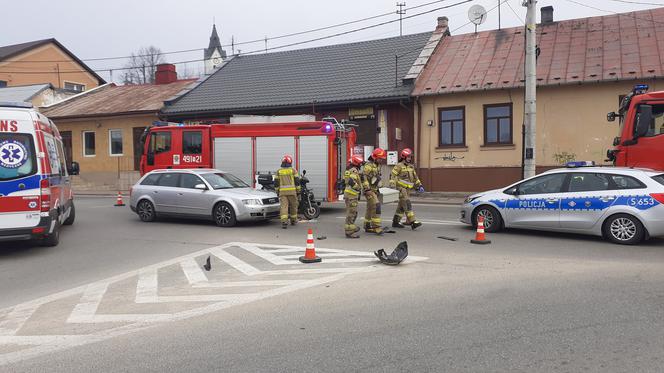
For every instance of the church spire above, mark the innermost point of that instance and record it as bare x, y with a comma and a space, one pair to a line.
214, 44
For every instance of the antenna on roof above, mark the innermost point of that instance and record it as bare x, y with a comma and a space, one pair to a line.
401, 11
477, 15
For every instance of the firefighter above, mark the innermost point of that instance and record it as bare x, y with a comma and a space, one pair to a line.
372, 182
353, 182
287, 186
405, 179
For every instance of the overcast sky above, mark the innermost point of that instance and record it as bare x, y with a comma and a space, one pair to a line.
94, 29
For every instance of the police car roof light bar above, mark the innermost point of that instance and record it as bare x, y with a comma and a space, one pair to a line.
576, 164
640, 89
22, 105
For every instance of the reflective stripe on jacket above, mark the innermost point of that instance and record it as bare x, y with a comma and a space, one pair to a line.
286, 181
404, 175
353, 183
371, 172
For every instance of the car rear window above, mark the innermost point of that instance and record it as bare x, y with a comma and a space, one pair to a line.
625, 182
169, 180
659, 178
17, 156
150, 179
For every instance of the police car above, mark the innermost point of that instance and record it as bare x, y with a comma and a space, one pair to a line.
35, 191
624, 205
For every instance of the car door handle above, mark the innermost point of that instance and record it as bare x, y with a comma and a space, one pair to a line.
607, 199
155, 192
180, 194
552, 200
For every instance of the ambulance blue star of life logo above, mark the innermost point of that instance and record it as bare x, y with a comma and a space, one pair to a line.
13, 154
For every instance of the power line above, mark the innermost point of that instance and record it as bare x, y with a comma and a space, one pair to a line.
612, 12
636, 2
234, 44
267, 49
515, 13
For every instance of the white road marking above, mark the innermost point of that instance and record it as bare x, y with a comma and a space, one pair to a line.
434, 222
147, 291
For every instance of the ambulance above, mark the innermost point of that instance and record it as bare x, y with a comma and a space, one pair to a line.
36, 199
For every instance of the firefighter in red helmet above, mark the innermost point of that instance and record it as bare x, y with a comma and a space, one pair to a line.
287, 185
404, 178
354, 186
372, 180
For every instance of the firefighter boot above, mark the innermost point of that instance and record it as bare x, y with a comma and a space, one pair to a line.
415, 224
284, 225
367, 226
396, 222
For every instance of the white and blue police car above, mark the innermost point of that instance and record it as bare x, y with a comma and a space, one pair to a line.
624, 205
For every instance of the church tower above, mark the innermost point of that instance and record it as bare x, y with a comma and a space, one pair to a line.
213, 55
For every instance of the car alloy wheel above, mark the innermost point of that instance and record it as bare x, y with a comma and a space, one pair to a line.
489, 219
145, 211
623, 229
224, 215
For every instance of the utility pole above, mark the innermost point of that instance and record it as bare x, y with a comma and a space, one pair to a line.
499, 3
232, 45
401, 12
530, 107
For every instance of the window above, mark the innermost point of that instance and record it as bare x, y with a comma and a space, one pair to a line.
224, 181
581, 182
169, 180
89, 144
544, 184
151, 179
625, 182
115, 142
17, 156
190, 181
498, 124
74, 87
63, 161
192, 142
160, 142
659, 178
657, 124
452, 127
3, 83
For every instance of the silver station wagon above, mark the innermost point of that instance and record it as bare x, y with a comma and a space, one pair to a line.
201, 193
624, 205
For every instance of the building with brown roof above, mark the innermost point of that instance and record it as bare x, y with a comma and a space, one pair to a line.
45, 61
101, 128
469, 97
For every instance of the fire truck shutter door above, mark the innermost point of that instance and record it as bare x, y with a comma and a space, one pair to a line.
270, 150
314, 158
234, 155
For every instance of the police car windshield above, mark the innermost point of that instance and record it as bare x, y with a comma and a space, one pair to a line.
17, 156
224, 181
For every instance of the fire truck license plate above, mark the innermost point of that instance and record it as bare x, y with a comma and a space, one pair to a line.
192, 158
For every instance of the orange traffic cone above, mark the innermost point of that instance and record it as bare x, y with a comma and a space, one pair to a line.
119, 202
479, 236
310, 253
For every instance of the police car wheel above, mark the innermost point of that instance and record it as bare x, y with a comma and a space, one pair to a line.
624, 229
145, 211
224, 215
493, 222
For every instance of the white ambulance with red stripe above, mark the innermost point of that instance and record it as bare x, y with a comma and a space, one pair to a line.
35, 189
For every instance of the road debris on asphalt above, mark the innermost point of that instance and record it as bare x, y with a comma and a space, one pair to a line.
448, 238
398, 255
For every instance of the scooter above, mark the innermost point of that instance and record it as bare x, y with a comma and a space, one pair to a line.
308, 206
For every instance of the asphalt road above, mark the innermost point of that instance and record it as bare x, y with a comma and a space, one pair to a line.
530, 301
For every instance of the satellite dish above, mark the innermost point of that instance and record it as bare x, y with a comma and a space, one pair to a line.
477, 14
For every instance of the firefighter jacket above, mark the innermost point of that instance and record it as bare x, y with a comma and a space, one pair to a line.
404, 176
353, 181
371, 176
287, 182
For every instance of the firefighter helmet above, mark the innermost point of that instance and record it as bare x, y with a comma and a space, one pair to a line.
287, 159
379, 153
356, 160
406, 153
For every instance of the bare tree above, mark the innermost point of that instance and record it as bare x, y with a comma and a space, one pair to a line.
142, 65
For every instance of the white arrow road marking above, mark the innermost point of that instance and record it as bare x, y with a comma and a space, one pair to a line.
86, 310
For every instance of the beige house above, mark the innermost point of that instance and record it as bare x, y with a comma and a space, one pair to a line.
101, 128
469, 97
45, 61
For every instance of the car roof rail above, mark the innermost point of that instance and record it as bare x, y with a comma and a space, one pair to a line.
16, 104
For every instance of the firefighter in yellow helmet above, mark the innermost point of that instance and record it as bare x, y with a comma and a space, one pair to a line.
405, 179
353, 182
287, 185
372, 179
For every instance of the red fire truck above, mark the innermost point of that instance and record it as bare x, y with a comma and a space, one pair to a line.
248, 150
641, 139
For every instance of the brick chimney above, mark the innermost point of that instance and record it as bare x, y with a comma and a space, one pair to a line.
547, 14
442, 26
165, 74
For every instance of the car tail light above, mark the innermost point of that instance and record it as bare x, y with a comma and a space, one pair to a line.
45, 195
658, 196
38, 230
